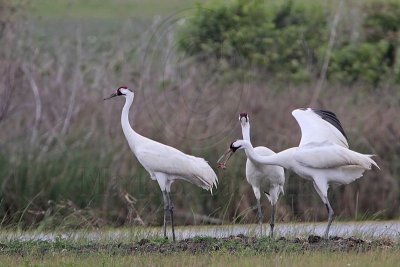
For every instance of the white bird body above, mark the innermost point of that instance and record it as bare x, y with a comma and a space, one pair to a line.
159, 158
262, 177
323, 155
164, 163
327, 161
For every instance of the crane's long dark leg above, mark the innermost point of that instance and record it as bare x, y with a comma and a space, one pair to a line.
330, 217
322, 189
260, 216
171, 212
166, 208
272, 220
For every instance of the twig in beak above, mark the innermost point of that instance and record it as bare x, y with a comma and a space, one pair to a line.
224, 159
111, 96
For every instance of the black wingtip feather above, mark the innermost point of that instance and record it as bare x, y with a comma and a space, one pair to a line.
330, 117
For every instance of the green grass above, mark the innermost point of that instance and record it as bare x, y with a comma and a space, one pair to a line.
326, 259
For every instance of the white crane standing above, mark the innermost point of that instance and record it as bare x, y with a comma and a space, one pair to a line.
164, 163
323, 155
261, 177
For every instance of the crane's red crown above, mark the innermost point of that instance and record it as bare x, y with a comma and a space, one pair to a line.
243, 115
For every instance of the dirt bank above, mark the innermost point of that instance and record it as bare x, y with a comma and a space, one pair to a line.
199, 245
241, 243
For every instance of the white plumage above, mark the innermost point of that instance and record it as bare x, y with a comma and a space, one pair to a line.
156, 157
322, 156
262, 177
164, 163
315, 129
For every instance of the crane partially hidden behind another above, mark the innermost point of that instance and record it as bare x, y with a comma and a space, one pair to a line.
323, 155
262, 177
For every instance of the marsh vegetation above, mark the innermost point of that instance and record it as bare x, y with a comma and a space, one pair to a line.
65, 164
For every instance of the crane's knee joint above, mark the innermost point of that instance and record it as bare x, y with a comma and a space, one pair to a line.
327, 207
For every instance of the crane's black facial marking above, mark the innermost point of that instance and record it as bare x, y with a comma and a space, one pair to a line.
233, 148
243, 115
330, 117
119, 92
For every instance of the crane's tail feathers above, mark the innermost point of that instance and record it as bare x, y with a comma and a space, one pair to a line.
207, 184
372, 161
203, 175
281, 189
273, 194
362, 160
268, 196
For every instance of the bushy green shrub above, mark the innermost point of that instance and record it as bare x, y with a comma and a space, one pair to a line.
374, 58
382, 21
8, 10
365, 62
246, 33
227, 31
289, 42
298, 32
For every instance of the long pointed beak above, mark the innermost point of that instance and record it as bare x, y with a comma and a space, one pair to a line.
224, 159
111, 96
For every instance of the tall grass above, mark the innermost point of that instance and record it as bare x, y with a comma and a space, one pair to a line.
64, 161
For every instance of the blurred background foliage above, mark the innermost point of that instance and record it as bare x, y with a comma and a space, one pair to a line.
290, 40
64, 162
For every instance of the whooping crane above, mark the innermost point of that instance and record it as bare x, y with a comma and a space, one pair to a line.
262, 177
323, 155
164, 163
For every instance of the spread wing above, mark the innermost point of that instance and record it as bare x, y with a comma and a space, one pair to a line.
329, 155
319, 126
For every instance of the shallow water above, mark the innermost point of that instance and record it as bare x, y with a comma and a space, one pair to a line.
388, 229
368, 229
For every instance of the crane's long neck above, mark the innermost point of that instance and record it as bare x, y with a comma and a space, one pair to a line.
281, 159
129, 133
246, 132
